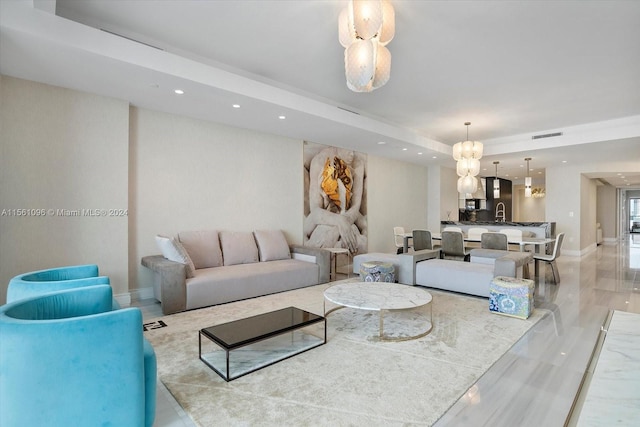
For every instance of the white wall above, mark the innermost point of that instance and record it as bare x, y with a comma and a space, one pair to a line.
588, 208
565, 195
443, 196
396, 196
527, 209
189, 174
606, 211
62, 149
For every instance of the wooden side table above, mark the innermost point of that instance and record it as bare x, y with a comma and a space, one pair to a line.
334, 253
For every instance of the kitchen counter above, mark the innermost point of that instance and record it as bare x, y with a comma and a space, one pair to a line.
539, 229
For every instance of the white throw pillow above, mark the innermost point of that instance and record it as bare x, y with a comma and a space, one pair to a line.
272, 245
203, 247
238, 247
174, 251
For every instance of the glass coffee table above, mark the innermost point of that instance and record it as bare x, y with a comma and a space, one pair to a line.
243, 346
385, 298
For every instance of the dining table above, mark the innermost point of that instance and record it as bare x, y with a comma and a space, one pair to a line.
538, 242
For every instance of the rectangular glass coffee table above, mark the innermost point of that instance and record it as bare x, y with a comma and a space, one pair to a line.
237, 348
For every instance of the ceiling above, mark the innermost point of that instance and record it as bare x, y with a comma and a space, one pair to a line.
513, 69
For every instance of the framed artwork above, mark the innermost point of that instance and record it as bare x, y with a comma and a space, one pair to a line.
335, 198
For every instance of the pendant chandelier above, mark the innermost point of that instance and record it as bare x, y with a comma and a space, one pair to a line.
365, 27
496, 183
527, 180
467, 154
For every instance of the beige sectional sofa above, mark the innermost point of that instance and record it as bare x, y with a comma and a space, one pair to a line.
203, 268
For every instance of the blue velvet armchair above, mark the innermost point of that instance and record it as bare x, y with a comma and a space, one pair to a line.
55, 279
67, 358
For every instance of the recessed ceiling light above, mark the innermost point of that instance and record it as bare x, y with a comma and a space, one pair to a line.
179, 92
619, 174
282, 117
434, 157
540, 173
521, 166
564, 161
623, 177
236, 105
420, 153
404, 149
381, 142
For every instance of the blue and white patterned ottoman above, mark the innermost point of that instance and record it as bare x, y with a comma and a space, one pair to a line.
377, 271
511, 296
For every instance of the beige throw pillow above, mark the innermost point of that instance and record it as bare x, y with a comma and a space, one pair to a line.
203, 247
173, 251
272, 245
238, 247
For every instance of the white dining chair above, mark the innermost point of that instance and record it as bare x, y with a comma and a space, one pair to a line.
474, 233
551, 259
398, 239
513, 235
452, 229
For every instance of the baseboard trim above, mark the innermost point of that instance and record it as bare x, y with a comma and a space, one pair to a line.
135, 295
123, 299
142, 293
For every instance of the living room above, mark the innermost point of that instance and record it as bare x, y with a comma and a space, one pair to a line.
157, 170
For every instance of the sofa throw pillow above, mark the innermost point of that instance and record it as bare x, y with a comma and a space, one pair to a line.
272, 245
238, 247
173, 251
203, 247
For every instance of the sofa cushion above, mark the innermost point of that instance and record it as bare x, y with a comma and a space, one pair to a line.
174, 251
272, 245
231, 283
238, 247
203, 247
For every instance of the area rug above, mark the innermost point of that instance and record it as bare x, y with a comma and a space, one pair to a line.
354, 379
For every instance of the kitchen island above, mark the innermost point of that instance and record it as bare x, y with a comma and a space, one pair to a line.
535, 229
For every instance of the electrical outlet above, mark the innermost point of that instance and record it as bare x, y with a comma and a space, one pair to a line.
571, 214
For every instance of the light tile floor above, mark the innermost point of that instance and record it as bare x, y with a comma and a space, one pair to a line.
538, 382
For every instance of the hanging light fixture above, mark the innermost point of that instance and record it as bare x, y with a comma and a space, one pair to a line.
496, 183
467, 154
365, 27
527, 180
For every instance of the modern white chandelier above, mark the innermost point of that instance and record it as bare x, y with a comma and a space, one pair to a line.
467, 154
365, 27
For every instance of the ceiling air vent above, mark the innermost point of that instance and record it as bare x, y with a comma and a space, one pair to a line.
547, 135
348, 111
129, 38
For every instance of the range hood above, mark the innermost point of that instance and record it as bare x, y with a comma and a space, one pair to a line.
480, 194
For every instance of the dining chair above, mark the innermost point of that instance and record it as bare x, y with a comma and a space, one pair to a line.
494, 241
551, 259
513, 234
473, 236
398, 239
474, 233
453, 246
422, 240
452, 229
